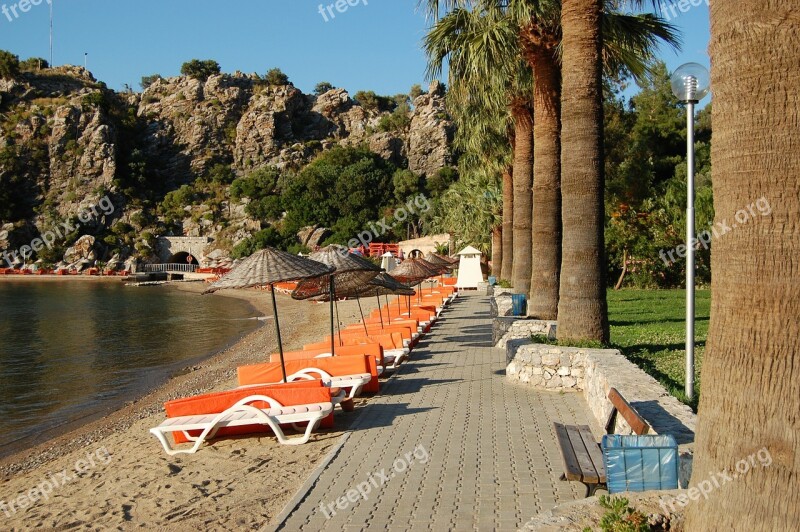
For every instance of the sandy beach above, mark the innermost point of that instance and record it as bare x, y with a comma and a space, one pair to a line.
112, 474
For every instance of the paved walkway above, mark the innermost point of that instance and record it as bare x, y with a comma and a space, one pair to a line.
449, 445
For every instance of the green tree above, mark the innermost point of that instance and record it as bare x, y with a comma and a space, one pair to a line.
276, 77
439, 182
416, 91
322, 87
344, 189
9, 65
149, 80
372, 102
33, 64
200, 70
261, 188
407, 184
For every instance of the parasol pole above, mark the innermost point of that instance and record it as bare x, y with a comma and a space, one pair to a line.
358, 299
380, 310
332, 292
278, 330
339, 323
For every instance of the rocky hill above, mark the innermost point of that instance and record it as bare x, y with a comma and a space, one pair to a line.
67, 142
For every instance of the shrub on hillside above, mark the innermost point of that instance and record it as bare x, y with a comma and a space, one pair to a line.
200, 70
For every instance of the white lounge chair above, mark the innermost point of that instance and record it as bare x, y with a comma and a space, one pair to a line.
353, 382
242, 414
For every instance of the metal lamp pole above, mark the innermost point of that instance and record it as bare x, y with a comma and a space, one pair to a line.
690, 296
690, 83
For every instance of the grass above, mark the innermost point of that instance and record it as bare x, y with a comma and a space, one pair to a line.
648, 326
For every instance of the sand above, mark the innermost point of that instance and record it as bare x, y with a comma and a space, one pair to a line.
113, 474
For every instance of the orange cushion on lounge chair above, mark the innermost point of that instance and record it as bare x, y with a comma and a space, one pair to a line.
374, 350
293, 393
358, 330
334, 366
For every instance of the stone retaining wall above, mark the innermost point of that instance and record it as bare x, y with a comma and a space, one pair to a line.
501, 301
505, 329
594, 372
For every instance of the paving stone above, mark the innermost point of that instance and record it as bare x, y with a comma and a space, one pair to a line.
492, 455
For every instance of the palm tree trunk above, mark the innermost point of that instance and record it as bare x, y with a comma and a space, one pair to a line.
546, 236
751, 372
523, 181
582, 308
497, 250
506, 271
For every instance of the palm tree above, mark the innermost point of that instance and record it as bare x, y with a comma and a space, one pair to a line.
524, 28
489, 81
752, 359
591, 39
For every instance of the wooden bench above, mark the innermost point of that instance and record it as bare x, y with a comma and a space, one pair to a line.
583, 459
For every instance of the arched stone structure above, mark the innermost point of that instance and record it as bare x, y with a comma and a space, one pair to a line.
176, 249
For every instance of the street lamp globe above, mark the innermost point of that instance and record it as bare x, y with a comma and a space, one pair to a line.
690, 82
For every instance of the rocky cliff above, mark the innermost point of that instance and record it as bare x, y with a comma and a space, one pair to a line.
66, 142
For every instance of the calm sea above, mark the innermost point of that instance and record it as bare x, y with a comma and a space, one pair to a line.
70, 351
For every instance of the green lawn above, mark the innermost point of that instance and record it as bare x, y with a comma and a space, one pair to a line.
648, 326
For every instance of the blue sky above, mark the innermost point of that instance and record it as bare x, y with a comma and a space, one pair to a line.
374, 45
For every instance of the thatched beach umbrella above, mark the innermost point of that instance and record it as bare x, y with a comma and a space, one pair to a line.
267, 267
351, 273
413, 271
440, 261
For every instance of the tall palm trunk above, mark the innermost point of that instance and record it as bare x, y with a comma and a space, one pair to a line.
497, 250
523, 181
506, 271
582, 308
546, 236
750, 402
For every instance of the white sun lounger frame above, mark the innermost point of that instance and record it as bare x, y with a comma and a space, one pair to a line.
241, 414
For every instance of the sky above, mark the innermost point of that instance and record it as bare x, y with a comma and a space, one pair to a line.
372, 45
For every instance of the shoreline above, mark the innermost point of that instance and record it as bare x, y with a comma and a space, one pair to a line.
161, 377
134, 453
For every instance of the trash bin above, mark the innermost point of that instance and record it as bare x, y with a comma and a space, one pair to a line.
519, 305
492, 280
640, 463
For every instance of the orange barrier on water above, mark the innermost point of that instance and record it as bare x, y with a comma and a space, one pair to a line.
293, 393
333, 366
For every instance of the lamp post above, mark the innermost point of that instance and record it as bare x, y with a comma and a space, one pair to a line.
690, 84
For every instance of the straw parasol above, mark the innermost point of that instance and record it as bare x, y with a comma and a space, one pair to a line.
351, 274
413, 271
267, 267
439, 261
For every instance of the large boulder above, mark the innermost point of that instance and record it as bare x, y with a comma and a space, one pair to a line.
82, 249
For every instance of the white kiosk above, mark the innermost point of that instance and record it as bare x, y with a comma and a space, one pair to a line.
469, 268
387, 262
